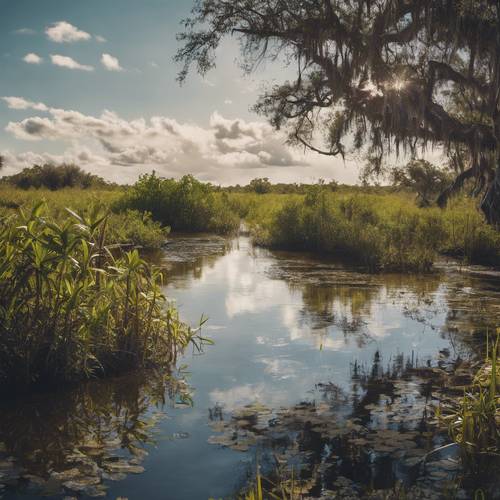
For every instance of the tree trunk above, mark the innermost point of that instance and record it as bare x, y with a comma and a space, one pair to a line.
490, 204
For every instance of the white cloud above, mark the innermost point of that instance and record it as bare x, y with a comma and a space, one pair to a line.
111, 63
63, 31
25, 31
154, 64
226, 151
228, 102
32, 58
20, 103
68, 62
100, 39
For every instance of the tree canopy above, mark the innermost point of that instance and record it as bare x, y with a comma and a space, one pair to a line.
375, 75
423, 177
54, 177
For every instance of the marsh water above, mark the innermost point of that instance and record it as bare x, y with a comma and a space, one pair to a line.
315, 366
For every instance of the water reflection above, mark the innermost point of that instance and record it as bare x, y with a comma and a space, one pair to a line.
381, 435
84, 437
314, 365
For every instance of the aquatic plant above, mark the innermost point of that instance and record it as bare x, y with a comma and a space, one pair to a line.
280, 489
474, 420
184, 205
72, 307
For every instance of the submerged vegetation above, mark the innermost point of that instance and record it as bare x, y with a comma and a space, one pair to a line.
73, 308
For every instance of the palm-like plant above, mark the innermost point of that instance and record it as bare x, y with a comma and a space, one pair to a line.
72, 307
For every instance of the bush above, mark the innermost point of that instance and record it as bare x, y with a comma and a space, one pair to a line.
357, 229
54, 177
184, 205
137, 229
70, 308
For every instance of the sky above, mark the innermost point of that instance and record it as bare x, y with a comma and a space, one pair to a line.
93, 82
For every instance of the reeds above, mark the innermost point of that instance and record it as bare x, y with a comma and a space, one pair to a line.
72, 307
474, 420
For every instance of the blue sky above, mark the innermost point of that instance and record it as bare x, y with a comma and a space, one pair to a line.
98, 88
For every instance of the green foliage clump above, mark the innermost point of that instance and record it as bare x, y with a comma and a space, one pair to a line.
424, 178
469, 237
473, 421
55, 177
184, 205
388, 237
260, 186
71, 308
137, 229
129, 227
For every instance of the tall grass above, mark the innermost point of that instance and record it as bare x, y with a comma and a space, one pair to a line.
73, 308
474, 420
184, 205
378, 231
357, 228
129, 227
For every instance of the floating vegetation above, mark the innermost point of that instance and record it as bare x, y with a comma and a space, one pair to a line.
381, 441
89, 437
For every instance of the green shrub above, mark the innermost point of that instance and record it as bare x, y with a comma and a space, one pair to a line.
184, 205
55, 177
137, 229
355, 228
469, 236
70, 308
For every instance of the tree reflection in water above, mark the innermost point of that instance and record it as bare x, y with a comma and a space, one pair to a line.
85, 436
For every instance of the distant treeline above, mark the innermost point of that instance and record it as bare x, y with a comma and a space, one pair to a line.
55, 177
264, 186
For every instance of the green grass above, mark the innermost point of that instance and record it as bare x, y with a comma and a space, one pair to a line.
473, 421
72, 308
378, 231
130, 227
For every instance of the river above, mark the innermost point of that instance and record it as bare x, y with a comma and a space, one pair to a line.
313, 364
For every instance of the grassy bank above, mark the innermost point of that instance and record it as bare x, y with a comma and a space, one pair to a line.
378, 231
72, 308
129, 227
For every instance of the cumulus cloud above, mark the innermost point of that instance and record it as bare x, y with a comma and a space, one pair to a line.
161, 142
100, 39
111, 63
20, 103
64, 32
68, 62
32, 58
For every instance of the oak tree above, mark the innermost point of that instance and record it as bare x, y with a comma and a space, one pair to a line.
381, 76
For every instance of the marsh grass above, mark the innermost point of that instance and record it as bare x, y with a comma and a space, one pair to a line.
377, 231
129, 227
281, 488
474, 420
360, 229
72, 307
